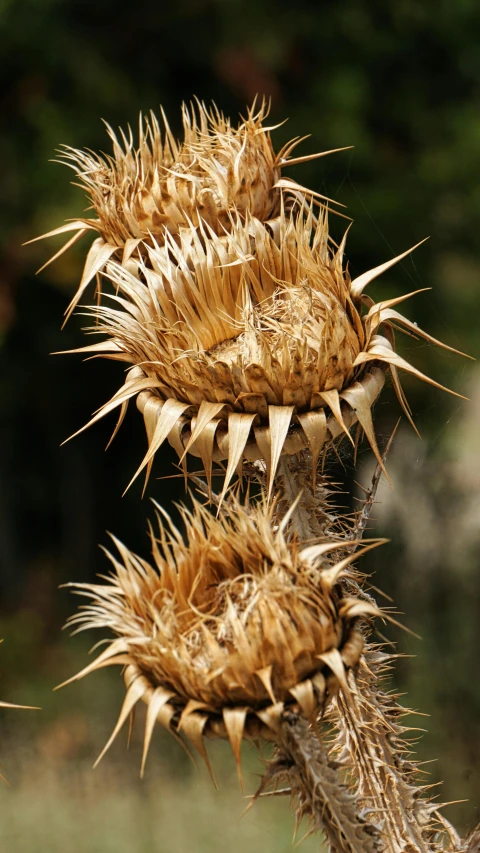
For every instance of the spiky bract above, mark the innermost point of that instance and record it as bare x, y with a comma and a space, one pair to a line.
250, 344
227, 627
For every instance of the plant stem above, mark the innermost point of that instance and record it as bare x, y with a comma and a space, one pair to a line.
369, 751
371, 739
320, 791
313, 517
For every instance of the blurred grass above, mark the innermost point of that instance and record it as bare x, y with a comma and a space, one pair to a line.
108, 811
55, 802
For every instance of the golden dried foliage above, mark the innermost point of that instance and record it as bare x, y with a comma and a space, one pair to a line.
228, 627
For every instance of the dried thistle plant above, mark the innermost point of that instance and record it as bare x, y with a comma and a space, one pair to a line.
161, 187
251, 344
248, 342
228, 627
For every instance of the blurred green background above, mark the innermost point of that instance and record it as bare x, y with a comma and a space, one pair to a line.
402, 85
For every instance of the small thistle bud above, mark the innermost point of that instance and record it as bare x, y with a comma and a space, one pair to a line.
227, 628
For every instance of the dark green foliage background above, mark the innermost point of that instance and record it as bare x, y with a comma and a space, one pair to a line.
401, 83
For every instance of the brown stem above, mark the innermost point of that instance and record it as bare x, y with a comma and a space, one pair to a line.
312, 518
320, 792
369, 744
363, 515
370, 737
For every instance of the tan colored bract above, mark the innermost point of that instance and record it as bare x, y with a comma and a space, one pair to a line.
228, 626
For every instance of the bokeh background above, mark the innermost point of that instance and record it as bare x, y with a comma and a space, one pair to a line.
401, 83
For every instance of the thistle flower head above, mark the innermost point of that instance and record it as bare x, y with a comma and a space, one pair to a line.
141, 194
251, 344
227, 627
246, 335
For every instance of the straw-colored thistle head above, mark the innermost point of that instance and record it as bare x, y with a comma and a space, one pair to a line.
251, 344
227, 627
160, 187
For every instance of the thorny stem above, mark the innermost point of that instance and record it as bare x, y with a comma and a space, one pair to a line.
368, 798
472, 844
312, 518
320, 792
362, 790
363, 516
370, 735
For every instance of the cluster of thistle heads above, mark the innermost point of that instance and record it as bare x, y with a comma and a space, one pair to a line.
246, 341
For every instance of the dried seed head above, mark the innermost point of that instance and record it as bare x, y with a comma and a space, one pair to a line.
251, 344
161, 187
227, 627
